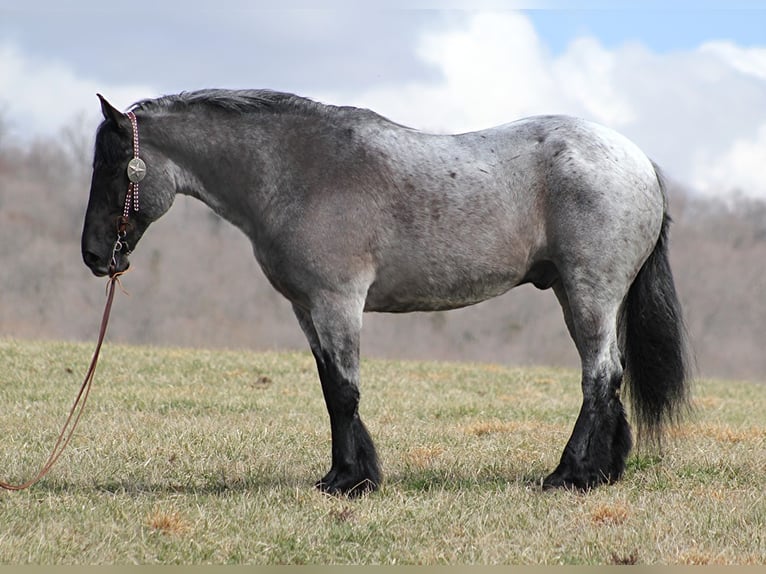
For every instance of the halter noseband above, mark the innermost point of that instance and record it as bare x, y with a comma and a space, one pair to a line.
136, 171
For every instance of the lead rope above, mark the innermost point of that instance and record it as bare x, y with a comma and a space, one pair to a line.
79, 403
136, 171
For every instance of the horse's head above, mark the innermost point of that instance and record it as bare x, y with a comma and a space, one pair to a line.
108, 190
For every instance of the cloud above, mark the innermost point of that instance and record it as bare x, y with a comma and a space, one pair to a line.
750, 61
40, 97
699, 113
492, 68
585, 75
739, 170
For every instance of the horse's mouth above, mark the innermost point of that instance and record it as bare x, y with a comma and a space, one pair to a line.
103, 267
119, 264
99, 271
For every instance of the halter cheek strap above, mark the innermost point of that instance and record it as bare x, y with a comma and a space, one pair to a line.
136, 171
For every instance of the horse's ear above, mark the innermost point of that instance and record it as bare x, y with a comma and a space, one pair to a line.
110, 112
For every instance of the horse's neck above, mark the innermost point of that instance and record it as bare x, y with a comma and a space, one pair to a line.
213, 169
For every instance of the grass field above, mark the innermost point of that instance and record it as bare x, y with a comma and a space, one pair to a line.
201, 457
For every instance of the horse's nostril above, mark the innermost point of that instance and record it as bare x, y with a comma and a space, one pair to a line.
91, 259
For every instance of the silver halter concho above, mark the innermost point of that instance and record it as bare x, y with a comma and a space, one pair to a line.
136, 171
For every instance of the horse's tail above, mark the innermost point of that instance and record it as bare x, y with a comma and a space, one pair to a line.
655, 345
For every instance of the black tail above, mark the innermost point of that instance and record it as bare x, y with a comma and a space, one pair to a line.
657, 365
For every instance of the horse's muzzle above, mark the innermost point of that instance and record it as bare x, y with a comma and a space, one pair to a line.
96, 263
102, 266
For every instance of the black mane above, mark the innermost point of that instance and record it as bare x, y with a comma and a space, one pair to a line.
236, 101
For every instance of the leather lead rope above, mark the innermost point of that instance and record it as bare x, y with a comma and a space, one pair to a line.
136, 172
79, 403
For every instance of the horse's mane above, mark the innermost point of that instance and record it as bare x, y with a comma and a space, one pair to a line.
236, 101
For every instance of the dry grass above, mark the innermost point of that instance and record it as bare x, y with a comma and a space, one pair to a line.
166, 522
197, 457
610, 514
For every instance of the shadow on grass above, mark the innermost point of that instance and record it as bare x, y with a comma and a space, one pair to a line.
202, 485
449, 481
639, 467
411, 480
407, 481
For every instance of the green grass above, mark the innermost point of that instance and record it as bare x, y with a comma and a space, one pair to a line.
202, 457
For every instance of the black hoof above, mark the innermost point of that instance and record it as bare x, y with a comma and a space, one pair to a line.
579, 478
557, 479
350, 485
603, 449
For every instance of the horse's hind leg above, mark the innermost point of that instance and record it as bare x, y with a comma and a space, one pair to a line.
333, 332
601, 440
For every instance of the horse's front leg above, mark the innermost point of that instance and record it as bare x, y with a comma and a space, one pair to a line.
333, 331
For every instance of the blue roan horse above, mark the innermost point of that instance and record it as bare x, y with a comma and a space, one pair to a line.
349, 212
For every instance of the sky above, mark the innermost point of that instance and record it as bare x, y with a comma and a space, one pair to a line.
685, 80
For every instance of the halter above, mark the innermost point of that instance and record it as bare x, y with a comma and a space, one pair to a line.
136, 171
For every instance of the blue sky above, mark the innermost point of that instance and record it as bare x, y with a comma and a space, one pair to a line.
685, 80
661, 29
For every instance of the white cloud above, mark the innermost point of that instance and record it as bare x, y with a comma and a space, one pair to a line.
740, 169
40, 97
696, 112
751, 61
493, 69
699, 113
585, 76
480, 84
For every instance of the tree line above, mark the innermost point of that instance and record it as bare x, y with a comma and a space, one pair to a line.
194, 280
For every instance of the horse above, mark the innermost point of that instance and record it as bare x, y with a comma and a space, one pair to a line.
349, 212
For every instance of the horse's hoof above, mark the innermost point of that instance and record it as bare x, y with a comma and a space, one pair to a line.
555, 481
568, 481
352, 487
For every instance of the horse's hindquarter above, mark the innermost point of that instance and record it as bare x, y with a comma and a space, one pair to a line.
462, 222
603, 202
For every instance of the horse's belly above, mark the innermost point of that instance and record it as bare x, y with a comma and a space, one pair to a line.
429, 291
